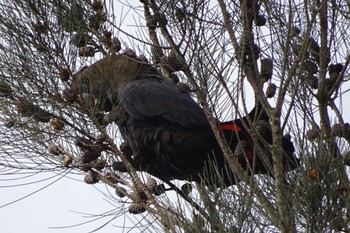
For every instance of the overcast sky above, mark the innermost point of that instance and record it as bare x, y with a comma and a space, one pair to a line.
65, 203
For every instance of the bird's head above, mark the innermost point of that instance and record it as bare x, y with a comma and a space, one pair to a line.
101, 82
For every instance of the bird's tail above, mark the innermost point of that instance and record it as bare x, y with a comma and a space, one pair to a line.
238, 125
237, 132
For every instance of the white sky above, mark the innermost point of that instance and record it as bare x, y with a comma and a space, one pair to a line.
64, 203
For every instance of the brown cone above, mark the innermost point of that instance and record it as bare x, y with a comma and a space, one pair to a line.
90, 179
266, 69
271, 90
136, 208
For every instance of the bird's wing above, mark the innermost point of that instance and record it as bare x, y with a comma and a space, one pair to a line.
158, 98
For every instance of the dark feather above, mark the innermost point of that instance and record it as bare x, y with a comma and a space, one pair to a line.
159, 99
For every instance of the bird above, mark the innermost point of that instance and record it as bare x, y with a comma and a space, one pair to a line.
255, 156
167, 130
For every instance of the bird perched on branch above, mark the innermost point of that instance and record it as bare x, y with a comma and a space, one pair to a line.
167, 130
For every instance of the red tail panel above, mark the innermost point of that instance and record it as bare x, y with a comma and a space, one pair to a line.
231, 127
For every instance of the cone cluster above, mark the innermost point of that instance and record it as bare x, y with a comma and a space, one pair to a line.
91, 178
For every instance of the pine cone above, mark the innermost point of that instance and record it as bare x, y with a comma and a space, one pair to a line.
271, 90
136, 208
172, 62
91, 179
151, 184
266, 69
64, 73
89, 156
335, 68
310, 66
120, 191
157, 54
260, 20
159, 190
186, 188
342, 130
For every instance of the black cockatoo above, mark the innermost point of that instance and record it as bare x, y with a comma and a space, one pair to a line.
167, 130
